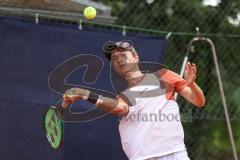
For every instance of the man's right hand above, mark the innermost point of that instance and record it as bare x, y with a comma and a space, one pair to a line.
72, 95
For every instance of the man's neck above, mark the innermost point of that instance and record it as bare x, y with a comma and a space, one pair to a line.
134, 77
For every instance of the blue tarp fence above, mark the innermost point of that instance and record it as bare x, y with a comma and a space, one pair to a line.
29, 54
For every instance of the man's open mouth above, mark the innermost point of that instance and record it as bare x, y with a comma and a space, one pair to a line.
122, 66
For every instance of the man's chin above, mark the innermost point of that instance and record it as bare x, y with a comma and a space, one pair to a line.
123, 72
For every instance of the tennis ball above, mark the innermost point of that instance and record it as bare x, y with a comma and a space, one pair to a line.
90, 13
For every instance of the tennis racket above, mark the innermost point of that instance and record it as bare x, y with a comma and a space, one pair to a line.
53, 123
53, 127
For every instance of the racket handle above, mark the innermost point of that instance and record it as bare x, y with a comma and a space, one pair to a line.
64, 105
61, 111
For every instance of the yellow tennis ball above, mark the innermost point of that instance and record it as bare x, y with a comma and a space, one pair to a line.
90, 13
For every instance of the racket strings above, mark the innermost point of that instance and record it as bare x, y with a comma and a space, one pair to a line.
53, 127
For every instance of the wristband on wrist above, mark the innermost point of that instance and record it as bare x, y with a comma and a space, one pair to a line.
93, 97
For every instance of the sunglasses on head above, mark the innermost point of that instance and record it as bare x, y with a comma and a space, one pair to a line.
111, 45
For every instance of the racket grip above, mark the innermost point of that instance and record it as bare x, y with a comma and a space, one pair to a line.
65, 105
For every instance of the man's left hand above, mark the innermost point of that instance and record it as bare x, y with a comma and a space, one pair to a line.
190, 73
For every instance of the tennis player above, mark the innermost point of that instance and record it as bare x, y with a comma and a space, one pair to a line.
150, 126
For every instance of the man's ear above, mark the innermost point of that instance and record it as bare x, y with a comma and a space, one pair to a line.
135, 55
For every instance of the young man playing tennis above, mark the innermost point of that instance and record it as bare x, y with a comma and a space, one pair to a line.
150, 127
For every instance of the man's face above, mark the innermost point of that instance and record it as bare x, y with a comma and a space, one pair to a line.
124, 61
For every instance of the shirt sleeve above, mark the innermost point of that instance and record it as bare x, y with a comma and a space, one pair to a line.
175, 80
127, 98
